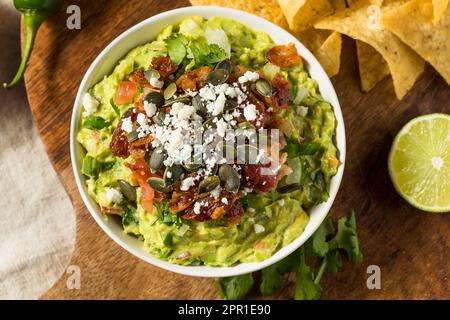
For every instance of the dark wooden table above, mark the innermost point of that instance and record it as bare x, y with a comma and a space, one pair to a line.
410, 247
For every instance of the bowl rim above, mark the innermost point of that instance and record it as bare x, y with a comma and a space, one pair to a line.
207, 271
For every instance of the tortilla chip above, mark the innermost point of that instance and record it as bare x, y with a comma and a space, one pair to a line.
362, 23
429, 40
313, 38
302, 14
372, 67
329, 54
439, 8
338, 4
267, 9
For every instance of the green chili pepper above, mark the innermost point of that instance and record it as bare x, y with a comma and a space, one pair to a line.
34, 13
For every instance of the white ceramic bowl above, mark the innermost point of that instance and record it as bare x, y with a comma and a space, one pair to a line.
146, 31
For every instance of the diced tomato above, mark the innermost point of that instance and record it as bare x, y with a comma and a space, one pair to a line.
141, 172
126, 92
284, 56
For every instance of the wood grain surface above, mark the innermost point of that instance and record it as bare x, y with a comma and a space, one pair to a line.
410, 247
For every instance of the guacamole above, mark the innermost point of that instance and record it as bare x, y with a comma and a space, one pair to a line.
221, 78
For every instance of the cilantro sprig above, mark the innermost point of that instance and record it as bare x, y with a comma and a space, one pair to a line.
325, 246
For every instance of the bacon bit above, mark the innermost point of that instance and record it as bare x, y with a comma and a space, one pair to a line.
218, 213
139, 78
142, 141
214, 208
253, 178
181, 201
126, 92
119, 143
164, 66
281, 91
284, 56
234, 214
111, 210
193, 80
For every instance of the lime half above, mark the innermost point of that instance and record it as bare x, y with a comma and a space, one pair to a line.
419, 162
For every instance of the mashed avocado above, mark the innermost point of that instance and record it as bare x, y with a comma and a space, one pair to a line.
271, 220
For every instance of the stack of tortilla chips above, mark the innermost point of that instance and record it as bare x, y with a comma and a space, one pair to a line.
393, 37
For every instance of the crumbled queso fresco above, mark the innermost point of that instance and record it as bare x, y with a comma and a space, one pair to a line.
180, 134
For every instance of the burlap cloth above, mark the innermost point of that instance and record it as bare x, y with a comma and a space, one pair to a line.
37, 226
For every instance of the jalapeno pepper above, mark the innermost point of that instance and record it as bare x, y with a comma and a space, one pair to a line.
34, 13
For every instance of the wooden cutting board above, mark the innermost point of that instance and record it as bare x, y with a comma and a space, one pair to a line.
410, 247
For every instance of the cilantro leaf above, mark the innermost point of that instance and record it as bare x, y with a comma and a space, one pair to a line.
115, 107
306, 288
167, 217
95, 123
347, 238
318, 245
333, 260
129, 216
272, 276
176, 47
234, 288
205, 54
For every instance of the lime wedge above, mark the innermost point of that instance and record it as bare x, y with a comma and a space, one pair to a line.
419, 162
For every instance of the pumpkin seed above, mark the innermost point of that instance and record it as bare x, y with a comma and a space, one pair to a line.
170, 90
127, 190
159, 118
182, 98
230, 105
191, 167
289, 188
172, 174
247, 153
199, 106
225, 64
264, 87
208, 184
132, 136
229, 178
156, 159
159, 185
151, 74
156, 98
218, 76
208, 123
245, 125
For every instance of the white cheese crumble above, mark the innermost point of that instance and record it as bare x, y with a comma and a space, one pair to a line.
90, 105
259, 228
281, 202
127, 125
219, 104
197, 207
221, 127
224, 200
248, 76
250, 112
150, 109
187, 183
113, 196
